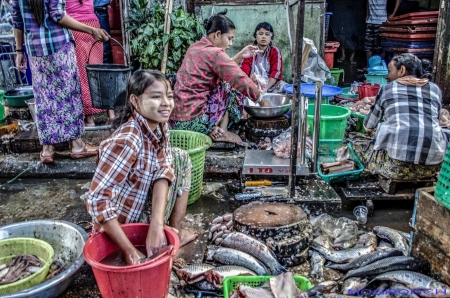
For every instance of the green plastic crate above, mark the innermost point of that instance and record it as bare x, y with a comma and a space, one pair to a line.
336, 73
442, 192
231, 283
195, 144
327, 153
360, 122
333, 121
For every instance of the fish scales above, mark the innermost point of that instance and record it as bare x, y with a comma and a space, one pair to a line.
194, 272
393, 236
380, 253
254, 248
343, 256
388, 264
414, 280
217, 275
229, 256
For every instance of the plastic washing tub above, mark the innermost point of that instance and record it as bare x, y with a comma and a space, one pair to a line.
360, 122
9, 248
333, 121
231, 283
327, 153
346, 93
195, 144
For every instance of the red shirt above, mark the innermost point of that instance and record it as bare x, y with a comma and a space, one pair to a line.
271, 58
204, 65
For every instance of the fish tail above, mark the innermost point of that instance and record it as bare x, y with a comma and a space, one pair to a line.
278, 269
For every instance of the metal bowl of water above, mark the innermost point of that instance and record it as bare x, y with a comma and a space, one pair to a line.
67, 240
276, 105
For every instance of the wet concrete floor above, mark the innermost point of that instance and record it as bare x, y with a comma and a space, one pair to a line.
29, 199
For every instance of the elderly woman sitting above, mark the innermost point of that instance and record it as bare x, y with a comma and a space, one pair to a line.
409, 143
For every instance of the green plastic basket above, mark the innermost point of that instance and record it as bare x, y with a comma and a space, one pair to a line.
336, 73
346, 93
333, 121
195, 144
442, 192
12, 247
360, 122
231, 283
327, 153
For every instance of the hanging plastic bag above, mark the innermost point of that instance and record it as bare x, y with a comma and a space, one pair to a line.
260, 75
282, 145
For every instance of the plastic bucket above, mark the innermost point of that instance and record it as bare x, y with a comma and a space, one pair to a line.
368, 90
336, 73
107, 83
10, 248
32, 107
2, 105
142, 280
333, 121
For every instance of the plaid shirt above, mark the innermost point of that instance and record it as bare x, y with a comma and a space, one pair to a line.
410, 131
41, 40
130, 161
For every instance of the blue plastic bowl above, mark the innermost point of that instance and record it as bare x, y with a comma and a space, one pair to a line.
310, 90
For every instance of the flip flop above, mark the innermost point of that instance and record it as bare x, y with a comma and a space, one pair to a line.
353, 62
340, 60
361, 70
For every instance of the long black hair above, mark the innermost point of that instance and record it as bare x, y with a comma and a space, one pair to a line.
263, 25
218, 22
37, 9
139, 81
413, 65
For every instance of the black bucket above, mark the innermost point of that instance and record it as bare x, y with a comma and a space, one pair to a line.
107, 83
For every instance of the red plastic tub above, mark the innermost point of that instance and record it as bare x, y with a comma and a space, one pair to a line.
368, 90
143, 280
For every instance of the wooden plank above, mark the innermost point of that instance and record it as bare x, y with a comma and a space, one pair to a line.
441, 67
425, 247
440, 236
433, 211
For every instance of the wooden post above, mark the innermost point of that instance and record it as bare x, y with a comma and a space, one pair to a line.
126, 38
169, 6
441, 65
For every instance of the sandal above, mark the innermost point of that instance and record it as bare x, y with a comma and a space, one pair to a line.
85, 152
47, 159
361, 70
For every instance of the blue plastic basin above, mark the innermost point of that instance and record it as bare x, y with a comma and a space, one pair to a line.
310, 90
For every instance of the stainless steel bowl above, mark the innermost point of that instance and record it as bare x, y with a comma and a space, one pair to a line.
67, 240
281, 104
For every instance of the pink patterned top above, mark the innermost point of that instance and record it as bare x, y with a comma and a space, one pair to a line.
203, 67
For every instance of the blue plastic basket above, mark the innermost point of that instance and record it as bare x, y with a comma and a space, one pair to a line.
327, 153
327, 23
310, 90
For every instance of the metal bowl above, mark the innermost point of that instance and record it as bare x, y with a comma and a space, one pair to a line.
281, 104
67, 240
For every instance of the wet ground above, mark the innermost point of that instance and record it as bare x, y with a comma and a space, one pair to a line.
29, 199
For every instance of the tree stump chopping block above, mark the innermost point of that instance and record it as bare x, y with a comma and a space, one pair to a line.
284, 228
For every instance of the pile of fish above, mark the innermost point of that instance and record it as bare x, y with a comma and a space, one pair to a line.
221, 226
366, 259
20, 267
363, 106
279, 286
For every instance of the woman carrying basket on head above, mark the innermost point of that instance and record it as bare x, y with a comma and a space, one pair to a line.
210, 85
139, 176
56, 84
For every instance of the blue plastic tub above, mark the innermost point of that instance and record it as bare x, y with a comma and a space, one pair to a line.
310, 90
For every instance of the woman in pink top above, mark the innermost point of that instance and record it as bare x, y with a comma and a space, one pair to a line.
83, 12
211, 86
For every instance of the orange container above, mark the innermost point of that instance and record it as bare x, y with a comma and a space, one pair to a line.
368, 90
331, 47
144, 280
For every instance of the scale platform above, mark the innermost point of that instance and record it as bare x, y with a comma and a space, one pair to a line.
264, 162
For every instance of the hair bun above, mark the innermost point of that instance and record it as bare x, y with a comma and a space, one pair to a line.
223, 12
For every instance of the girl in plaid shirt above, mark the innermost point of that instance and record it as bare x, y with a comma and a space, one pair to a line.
139, 176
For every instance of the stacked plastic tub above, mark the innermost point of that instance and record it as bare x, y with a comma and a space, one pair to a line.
377, 71
413, 33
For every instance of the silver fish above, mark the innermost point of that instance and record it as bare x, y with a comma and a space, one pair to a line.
380, 253
194, 272
343, 256
216, 275
337, 296
254, 248
229, 256
352, 285
246, 291
400, 291
389, 264
384, 243
316, 263
393, 236
423, 285
367, 239
345, 241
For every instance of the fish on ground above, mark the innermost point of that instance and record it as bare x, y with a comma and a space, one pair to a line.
393, 236
253, 247
423, 285
367, 239
389, 264
194, 272
316, 263
343, 256
352, 285
229, 256
217, 275
379, 254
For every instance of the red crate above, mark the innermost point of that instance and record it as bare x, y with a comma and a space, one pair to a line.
409, 29
416, 15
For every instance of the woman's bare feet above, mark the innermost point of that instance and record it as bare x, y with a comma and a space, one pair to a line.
111, 114
89, 120
229, 137
217, 132
186, 235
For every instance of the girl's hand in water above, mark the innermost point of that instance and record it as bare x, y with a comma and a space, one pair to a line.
133, 256
156, 239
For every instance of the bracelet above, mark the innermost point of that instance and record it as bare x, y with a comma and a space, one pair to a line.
19, 50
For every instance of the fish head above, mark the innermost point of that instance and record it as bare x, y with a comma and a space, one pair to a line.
440, 289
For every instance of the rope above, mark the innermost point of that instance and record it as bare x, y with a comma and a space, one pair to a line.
13, 179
